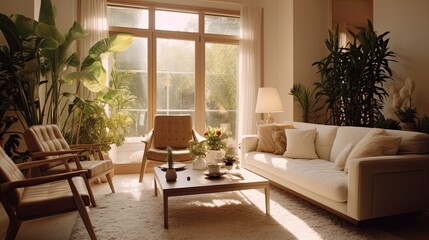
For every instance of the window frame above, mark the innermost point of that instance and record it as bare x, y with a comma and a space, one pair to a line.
200, 38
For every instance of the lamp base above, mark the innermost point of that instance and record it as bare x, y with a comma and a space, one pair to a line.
270, 118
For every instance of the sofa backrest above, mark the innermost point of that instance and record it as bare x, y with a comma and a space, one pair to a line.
411, 142
324, 138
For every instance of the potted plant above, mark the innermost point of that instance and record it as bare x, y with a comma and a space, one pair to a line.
198, 150
215, 144
352, 77
38, 57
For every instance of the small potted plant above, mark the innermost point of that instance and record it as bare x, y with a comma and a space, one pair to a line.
215, 144
198, 150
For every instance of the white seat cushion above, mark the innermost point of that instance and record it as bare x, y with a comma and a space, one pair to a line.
315, 175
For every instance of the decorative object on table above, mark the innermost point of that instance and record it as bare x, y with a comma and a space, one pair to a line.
214, 171
198, 150
268, 101
215, 144
170, 174
402, 105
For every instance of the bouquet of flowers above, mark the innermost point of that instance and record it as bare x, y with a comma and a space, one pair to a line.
197, 148
214, 139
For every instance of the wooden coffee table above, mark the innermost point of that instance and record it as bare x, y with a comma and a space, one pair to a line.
199, 183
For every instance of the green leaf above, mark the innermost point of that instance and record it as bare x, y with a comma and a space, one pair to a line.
46, 14
24, 24
116, 43
47, 31
10, 32
93, 77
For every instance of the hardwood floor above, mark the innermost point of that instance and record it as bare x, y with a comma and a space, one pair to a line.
414, 226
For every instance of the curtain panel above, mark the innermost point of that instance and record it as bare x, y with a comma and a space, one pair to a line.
93, 21
250, 67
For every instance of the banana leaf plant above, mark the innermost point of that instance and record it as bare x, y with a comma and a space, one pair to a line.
36, 59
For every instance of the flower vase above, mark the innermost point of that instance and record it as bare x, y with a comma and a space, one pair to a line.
171, 174
214, 156
199, 163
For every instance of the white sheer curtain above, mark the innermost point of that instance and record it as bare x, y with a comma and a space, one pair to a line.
93, 21
250, 67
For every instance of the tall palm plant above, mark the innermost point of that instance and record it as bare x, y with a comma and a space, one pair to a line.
352, 77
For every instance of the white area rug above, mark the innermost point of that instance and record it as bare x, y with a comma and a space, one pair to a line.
230, 215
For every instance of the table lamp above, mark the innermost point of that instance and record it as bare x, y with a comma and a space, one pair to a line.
268, 101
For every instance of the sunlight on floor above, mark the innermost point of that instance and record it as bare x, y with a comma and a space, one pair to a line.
289, 221
216, 203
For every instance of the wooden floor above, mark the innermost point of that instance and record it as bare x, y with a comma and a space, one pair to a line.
60, 226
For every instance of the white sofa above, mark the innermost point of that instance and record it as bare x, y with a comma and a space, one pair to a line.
373, 187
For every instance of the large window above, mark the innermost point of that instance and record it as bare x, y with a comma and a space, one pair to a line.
183, 60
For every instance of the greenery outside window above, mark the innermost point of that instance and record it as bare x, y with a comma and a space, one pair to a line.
185, 61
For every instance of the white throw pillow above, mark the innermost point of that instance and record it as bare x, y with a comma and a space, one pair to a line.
375, 143
300, 143
341, 159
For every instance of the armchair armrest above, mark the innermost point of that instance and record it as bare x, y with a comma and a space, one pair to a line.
41, 180
86, 145
37, 155
32, 164
90, 146
148, 139
387, 185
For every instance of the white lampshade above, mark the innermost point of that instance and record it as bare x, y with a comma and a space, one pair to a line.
268, 101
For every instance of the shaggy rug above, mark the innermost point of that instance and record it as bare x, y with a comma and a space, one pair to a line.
229, 215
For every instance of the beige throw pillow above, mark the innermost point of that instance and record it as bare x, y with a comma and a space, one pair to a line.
279, 138
265, 138
300, 143
341, 159
375, 143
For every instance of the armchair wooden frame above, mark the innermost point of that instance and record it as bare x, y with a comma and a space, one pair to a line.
172, 131
46, 141
15, 220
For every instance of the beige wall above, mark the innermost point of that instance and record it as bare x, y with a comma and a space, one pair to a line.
15, 7
294, 35
409, 38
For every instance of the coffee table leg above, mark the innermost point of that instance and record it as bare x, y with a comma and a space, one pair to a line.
165, 211
267, 200
155, 187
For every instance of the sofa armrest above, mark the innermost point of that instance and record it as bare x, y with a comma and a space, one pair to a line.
249, 143
387, 185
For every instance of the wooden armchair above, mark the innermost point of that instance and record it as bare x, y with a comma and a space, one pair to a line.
46, 141
169, 130
25, 199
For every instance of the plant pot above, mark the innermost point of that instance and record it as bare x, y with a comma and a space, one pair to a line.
171, 174
214, 156
199, 163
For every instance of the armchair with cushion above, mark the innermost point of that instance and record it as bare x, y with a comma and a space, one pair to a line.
25, 199
45, 141
169, 130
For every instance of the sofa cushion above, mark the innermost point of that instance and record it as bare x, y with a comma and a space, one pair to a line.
375, 143
412, 142
265, 138
316, 175
300, 143
324, 139
340, 161
346, 135
279, 138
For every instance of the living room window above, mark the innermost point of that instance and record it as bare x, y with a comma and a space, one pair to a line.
183, 60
